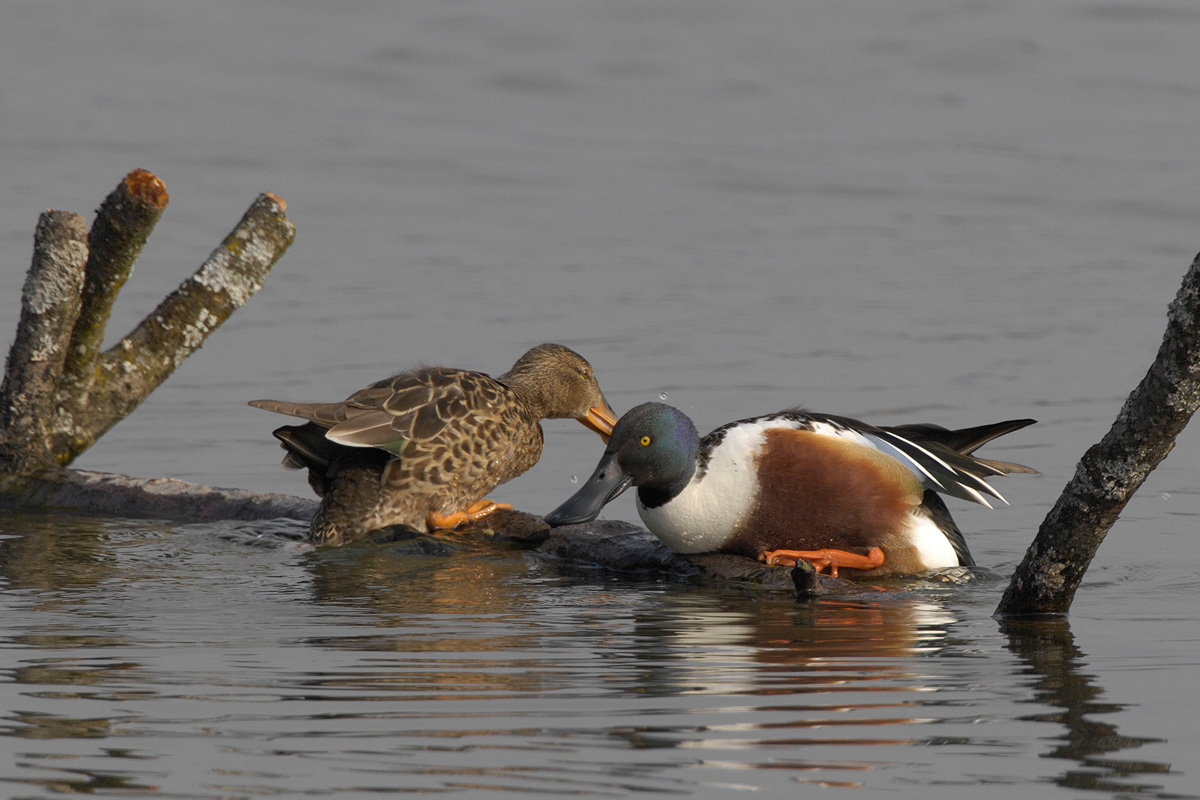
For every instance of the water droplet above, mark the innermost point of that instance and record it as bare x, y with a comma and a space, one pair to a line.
662, 396
574, 479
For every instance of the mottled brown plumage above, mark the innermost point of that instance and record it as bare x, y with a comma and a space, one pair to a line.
427, 444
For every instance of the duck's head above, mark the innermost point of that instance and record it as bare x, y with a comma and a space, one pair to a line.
652, 447
558, 383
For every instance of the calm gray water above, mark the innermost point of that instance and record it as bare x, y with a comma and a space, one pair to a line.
903, 210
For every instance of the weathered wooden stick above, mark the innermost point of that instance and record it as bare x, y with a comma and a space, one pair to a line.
59, 393
623, 548
155, 498
49, 308
607, 546
1112, 470
122, 226
130, 370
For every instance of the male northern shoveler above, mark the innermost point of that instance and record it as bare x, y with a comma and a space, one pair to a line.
424, 447
795, 485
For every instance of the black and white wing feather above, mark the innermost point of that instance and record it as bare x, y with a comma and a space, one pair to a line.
940, 457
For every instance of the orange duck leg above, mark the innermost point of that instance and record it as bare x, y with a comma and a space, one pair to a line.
474, 513
822, 559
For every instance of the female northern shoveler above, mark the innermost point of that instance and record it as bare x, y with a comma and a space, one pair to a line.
830, 490
424, 447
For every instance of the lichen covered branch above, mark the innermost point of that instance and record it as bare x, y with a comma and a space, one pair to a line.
1112, 470
128, 372
49, 307
123, 224
60, 393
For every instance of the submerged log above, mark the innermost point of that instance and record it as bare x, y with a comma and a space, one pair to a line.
626, 549
60, 392
605, 545
1112, 470
145, 498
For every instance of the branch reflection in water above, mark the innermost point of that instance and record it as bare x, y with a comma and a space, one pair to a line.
1056, 664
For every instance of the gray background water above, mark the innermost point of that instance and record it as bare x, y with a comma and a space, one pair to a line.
903, 210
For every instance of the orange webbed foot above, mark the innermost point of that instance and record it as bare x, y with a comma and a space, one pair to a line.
474, 513
824, 559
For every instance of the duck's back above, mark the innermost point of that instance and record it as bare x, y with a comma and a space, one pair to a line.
457, 429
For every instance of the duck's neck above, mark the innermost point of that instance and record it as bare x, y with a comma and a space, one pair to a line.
655, 496
531, 390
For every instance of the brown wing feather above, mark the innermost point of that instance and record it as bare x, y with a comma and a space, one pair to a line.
474, 435
458, 434
412, 407
327, 414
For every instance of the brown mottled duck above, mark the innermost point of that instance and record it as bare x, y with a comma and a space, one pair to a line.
422, 448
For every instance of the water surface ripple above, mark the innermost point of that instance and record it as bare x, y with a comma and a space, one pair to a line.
180, 663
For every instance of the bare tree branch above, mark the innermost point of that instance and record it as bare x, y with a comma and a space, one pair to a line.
49, 308
1112, 470
128, 372
123, 224
59, 393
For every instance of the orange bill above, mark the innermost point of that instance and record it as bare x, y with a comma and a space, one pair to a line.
600, 419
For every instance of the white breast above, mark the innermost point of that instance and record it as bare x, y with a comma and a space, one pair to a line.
706, 513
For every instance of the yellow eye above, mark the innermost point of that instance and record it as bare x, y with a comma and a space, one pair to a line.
645, 440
